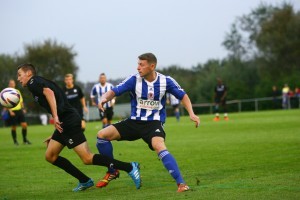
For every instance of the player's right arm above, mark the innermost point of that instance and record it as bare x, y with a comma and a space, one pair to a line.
93, 95
49, 94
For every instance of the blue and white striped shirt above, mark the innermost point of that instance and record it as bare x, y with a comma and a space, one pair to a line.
173, 100
98, 90
148, 99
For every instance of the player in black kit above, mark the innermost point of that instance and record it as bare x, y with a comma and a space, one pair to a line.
220, 99
75, 97
68, 130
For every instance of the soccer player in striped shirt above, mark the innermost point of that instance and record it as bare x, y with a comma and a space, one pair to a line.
175, 103
96, 94
147, 90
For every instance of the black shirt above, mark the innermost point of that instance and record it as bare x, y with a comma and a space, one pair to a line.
74, 95
36, 84
220, 90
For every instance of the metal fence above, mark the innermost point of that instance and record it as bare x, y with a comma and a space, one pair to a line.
123, 110
255, 104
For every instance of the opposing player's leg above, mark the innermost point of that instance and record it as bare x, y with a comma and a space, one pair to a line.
224, 105
104, 146
89, 158
12, 121
216, 110
14, 135
24, 133
169, 162
21, 119
52, 156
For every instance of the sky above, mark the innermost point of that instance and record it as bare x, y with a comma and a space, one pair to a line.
108, 36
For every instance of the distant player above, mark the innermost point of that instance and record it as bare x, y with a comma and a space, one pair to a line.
220, 100
75, 97
96, 94
175, 103
68, 132
17, 116
147, 90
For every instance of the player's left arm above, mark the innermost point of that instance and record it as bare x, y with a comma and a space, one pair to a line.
186, 102
49, 94
224, 95
83, 103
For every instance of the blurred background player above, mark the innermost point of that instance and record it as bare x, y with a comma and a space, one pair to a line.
96, 94
175, 103
17, 116
75, 97
220, 99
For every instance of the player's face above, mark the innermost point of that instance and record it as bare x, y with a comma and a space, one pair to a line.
102, 79
69, 81
144, 68
12, 84
23, 77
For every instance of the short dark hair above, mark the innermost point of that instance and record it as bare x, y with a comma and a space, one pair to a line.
150, 57
27, 67
102, 74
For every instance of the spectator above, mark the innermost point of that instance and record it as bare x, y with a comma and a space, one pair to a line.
285, 96
275, 95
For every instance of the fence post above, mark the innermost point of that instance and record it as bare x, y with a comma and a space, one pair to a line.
256, 105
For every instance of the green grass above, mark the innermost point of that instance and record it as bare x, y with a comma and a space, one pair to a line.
252, 156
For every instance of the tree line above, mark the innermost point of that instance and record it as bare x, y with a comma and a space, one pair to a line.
263, 50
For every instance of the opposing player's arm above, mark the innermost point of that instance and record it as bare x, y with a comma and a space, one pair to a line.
105, 98
83, 103
186, 102
224, 95
49, 94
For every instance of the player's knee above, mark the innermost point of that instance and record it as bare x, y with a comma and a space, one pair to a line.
50, 158
101, 134
87, 160
158, 147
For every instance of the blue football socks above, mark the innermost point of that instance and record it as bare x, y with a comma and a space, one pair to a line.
105, 148
171, 165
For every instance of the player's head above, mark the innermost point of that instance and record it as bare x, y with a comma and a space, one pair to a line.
146, 64
11, 83
25, 72
69, 80
102, 78
219, 80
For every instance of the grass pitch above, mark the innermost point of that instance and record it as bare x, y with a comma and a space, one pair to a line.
252, 156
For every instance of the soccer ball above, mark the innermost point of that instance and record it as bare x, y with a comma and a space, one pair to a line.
9, 97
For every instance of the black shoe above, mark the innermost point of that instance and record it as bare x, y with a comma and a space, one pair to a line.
27, 142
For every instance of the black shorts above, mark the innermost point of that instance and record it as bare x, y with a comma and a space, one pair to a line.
135, 129
219, 101
72, 134
17, 119
175, 106
108, 113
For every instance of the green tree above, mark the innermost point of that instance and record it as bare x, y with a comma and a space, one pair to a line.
8, 70
51, 59
268, 40
279, 44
